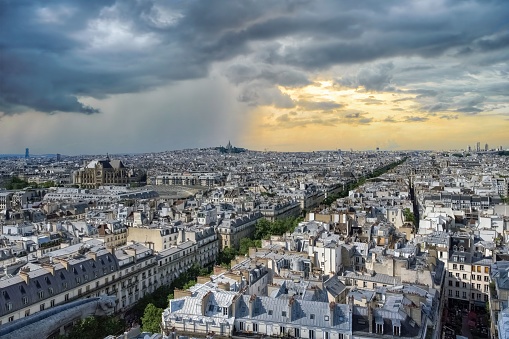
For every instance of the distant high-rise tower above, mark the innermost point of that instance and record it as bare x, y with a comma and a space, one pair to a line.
486, 148
27, 153
469, 148
478, 148
58, 157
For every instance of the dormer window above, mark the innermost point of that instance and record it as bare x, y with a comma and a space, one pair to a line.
462, 249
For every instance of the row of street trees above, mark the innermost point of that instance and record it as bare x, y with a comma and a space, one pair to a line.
263, 230
154, 304
149, 309
151, 306
95, 327
16, 183
361, 181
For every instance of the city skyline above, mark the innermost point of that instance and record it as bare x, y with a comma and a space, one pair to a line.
91, 78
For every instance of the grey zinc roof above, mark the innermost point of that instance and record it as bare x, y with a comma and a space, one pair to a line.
41, 280
334, 286
377, 277
311, 314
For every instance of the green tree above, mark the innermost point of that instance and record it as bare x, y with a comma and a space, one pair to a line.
262, 229
95, 327
16, 183
151, 319
47, 184
226, 256
244, 245
189, 284
409, 215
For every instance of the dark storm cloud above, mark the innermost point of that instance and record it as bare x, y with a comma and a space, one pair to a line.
376, 78
285, 77
438, 107
260, 95
54, 52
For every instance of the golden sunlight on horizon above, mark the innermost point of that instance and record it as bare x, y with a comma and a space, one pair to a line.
328, 116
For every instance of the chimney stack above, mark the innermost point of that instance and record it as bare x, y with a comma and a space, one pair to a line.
50, 268
252, 300
290, 308
332, 309
24, 274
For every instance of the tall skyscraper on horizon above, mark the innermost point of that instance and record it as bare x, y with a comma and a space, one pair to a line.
478, 148
27, 153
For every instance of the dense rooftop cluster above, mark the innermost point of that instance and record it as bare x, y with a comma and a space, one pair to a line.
379, 251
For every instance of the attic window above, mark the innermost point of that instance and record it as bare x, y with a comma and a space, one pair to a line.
326, 318
62, 276
48, 281
211, 308
283, 313
22, 289
6, 295
312, 316
37, 284
270, 312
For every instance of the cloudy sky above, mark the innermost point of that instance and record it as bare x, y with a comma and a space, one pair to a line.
98, 76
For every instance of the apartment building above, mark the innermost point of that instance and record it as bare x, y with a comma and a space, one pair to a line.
403, 311
5, 200
112, 233
280, 210
231, 230
468, 270
90, 269
73, 272
158, 237
190, 179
